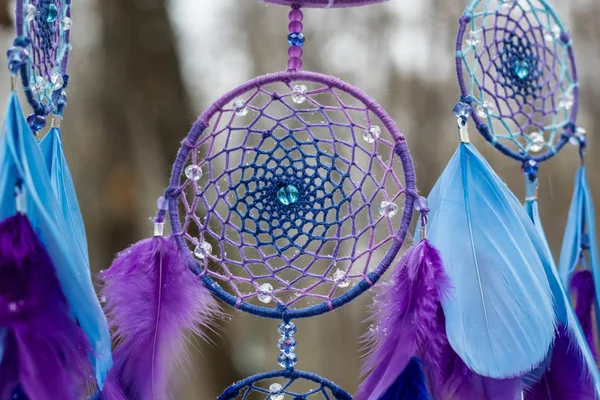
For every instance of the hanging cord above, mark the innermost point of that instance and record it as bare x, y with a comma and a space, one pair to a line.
295, 38
422, 207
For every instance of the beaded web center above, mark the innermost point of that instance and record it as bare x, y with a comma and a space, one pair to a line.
293, 195
520, 73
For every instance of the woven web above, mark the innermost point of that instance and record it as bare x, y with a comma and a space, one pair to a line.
291, 389
520, 73
49, 49
290, 194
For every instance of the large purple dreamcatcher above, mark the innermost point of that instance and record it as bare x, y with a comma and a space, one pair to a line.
291, 196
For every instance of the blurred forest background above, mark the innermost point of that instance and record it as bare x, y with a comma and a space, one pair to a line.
142, 70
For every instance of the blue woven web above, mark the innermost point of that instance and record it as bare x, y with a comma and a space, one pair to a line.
520, 73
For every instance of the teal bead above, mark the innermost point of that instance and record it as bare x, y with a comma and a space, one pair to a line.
521, 69
52, 14
288, 195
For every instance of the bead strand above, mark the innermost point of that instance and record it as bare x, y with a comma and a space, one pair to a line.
295, 38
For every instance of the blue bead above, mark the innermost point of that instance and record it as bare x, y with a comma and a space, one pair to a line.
296, 39
521, 69
463, 110
36, 122
62, 99
288, 195
287, 360
287, 345
17, 56
530, 168
52, 14
287, 330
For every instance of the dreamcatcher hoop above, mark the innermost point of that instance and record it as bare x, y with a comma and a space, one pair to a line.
523, 82
277, 391
397, 153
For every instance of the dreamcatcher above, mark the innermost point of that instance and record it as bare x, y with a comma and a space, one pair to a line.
487, 317
521, 81
50, 319
291, 196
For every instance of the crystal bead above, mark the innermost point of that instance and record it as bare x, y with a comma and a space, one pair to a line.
521, 68
537, 141
566, 100
483, 110
299, 94
287, 360
193, 172
30, 12
339, 277
463, 110
530, 168
371, 134
275, 390
57, 81
265, 292
66, 24
287, 344
162, 203
556, 32
388, 209
288, 195
579, 137
240, 107
17, 56
287, 330
203, 250
62, 99
39, 87
52, 14
473, 38
36, 122
296, 39
507, 4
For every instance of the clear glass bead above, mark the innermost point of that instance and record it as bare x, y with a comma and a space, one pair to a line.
388, 209
30, 12
483, 110
57, 81
299, 94
52, 14
66, 24
287, 360
287, 330
276, 392
537, 142
193, 172
240, 107
287, 344
39, 87
288, 195
265, 292
203, 250
371, 134
556, 32
473, 38
566, 100
507, 4
340, 278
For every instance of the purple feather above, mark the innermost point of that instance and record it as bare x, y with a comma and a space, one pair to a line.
46, 352
583, 286
567, 376
153, 301
406, 320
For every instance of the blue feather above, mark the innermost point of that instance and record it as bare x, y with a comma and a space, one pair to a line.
410, 385
500, 319
64, 189
562, 306
21, 159
533, 211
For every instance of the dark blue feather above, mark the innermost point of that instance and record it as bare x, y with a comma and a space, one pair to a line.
410, 385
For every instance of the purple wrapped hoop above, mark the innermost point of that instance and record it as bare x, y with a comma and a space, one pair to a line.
43, 37
515, 64
286, 193
325, 3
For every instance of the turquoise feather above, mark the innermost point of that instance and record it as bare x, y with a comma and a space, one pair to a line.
500, 319
21, 159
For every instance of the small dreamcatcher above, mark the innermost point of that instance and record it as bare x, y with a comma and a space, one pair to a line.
51, 323
485, 324
291, 196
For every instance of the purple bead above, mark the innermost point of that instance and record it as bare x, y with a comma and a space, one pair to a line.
295, 51
162, 203
296, 15
295, 26
36, 122
295, 63
421, 204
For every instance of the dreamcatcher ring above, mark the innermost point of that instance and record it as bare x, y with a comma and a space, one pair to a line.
296, 185
516, 67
